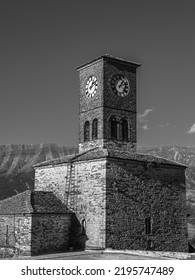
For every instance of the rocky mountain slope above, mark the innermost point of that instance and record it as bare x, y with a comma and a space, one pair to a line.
17, 173
16, 165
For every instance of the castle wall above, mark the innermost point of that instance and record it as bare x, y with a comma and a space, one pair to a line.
136, 192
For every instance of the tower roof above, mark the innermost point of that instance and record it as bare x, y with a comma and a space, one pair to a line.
98, 153
107, 57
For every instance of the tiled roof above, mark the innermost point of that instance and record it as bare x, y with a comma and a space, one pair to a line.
47, 202
32, 202
55, 161
16, 204
97, 153
111, 58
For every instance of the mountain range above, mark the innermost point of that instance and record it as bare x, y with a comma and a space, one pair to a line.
17, 173
16, 165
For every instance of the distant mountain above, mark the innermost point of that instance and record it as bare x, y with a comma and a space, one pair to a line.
16, 165
17, 173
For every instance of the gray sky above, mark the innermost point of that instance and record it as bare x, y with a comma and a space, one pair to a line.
42, 41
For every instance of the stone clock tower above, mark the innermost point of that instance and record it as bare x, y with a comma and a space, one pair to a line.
114, 197
107, 104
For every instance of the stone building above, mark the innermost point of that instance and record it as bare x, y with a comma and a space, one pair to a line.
33, 222
107, 195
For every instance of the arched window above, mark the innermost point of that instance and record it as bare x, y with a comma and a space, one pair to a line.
86, 131
95, 129
148, 225
113, 128
124, 125
83, 226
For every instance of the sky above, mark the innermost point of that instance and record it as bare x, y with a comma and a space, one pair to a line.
43, 41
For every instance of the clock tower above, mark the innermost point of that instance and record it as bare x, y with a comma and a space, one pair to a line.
112, 196
107, 113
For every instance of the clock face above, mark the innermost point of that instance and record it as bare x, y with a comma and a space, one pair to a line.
120, 85
91, 86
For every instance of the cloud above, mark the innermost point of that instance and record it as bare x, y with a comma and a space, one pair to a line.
192, 129
145, 127
143, 119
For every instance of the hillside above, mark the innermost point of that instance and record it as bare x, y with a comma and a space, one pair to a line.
16, 165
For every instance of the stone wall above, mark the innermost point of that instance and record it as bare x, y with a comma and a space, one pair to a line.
111, 100
51, 233
15, 233
86, 146
112, 199
89, 181
136, 192
91, 189
107, 143
31, 234
52, 178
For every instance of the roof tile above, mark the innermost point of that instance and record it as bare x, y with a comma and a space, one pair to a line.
32, 202
97, 153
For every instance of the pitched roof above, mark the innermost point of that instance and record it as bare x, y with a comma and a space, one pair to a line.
32, 202
110, 58
98, 153
19, 203
47, 202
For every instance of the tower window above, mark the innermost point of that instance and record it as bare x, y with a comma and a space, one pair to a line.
113, 128
86, 131
83, 226
95, 129
148, 225
124, 130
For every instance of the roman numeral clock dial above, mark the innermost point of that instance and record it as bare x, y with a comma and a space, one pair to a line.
120, 85
91, 87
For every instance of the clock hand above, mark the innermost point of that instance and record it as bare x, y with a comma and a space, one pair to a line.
92, 85
122, 83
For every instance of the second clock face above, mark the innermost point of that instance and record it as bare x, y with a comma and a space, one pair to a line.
120, 85
91, 86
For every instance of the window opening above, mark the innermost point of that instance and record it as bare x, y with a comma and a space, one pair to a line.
148, 225
86, 131
124, 130
113, 127
95, 129
83, 226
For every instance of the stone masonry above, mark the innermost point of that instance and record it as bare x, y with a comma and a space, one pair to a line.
117, 192
90, 181
135, 193
105, 104
34, 223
